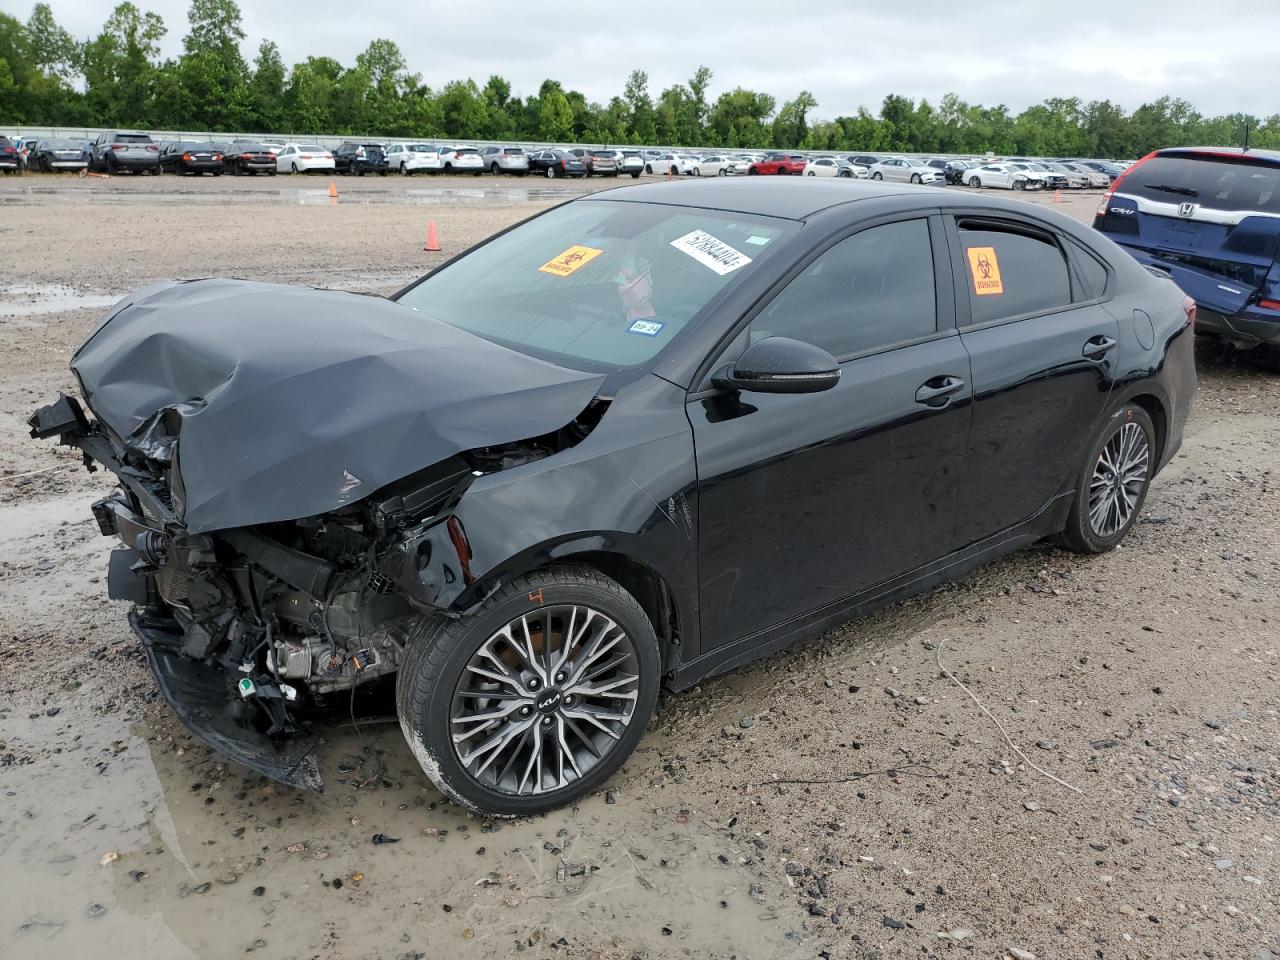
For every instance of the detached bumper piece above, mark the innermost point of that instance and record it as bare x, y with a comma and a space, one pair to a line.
200, 696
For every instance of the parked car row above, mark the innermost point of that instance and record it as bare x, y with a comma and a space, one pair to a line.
125, 152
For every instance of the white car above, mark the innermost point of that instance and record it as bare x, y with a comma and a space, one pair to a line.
738, 163
461, 160
822, 167
411, 158
630, 161
1006, 176
715, 165
303, 158
905, 170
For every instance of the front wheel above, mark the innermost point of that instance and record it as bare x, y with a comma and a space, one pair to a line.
1113, 482
915, 178
877, 175
551, 173
635, 175
1019, 185
536, 699
975, 182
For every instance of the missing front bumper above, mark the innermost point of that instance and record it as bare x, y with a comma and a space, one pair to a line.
199, 695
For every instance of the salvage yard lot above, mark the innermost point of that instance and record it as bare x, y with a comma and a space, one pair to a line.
845, 799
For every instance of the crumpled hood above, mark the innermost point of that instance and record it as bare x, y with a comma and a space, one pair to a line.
288, 402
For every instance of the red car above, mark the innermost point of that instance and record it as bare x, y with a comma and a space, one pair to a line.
784, 163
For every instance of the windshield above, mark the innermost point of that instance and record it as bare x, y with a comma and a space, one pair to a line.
599, 285
131, 138
1214, 182
310, 148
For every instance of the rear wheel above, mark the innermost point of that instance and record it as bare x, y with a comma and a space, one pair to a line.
877, 175
1113, 483
752, 172
534, 700
975, 182
551, 173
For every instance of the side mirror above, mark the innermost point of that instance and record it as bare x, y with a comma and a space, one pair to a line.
780, 365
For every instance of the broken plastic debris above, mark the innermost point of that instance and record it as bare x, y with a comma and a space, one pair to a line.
109, 857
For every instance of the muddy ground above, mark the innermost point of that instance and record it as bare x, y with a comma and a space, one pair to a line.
843, 800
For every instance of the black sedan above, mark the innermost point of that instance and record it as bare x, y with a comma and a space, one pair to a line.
243, 158
558, 163
191, 156
360, 158
58, 153
641, 439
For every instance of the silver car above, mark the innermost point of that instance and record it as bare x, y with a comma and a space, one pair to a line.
630, 161
505, 160
905, 170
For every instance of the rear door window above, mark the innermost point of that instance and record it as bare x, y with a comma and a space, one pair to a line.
1011, 270
1214, 182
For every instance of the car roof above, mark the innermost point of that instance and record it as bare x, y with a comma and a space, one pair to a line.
1265, 156
785, 197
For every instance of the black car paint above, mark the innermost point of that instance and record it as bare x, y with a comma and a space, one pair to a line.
743, 522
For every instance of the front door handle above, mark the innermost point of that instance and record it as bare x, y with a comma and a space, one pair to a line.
938, 391
1095, 348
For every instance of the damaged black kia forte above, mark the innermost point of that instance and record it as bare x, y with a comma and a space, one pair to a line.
637, 440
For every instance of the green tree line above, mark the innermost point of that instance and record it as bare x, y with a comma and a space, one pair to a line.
118, 79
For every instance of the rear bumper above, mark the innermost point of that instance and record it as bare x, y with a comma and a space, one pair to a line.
204, 699
1248, 330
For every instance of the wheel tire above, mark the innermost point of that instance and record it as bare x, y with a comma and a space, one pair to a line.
1019, 185
915, 178
752, 172
634, 176
877, 175
551, 173
976, 183
1081, 533
721, 172
440, 650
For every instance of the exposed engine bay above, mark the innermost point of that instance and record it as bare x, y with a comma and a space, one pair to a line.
255, 619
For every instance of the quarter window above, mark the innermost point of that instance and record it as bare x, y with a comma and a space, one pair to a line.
1010, 273
869, 291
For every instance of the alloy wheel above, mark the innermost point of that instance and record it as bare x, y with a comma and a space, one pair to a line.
1118, 479
544, 700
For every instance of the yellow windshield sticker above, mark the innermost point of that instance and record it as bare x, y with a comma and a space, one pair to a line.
575, 258
985, 269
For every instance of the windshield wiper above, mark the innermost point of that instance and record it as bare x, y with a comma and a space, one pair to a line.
1181, 191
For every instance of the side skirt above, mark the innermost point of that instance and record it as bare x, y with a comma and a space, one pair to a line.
732, 655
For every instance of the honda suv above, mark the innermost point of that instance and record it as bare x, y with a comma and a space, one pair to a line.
1209, 217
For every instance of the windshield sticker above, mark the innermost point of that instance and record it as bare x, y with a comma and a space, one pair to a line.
646, 328
985, 270
758, 241
710, 252
575, 258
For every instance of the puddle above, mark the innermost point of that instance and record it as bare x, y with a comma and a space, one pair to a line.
32, 300
359, 195
210, 861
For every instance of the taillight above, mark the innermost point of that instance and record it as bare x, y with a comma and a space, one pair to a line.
1189, 307
247, 156
1115, 185
563, 163
119, 146
1269, 304
153, 149
306, 156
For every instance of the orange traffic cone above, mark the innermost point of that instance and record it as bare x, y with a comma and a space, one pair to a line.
333, 190
433, 243
1057, 196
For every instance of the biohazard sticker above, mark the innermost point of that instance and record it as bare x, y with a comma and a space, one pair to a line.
710, 252
575, 258
985, 270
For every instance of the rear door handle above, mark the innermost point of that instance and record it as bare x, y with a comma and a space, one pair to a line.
1095, 348
938, 391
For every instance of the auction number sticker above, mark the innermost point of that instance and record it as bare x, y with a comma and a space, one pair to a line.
573, 259
710, 252
985, 270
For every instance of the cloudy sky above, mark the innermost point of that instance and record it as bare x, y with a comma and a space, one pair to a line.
846, 54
